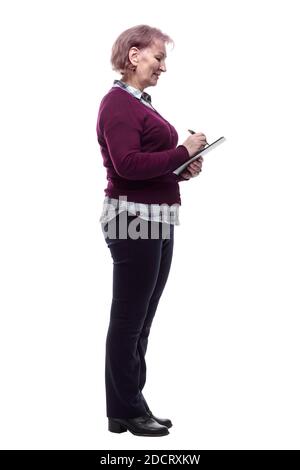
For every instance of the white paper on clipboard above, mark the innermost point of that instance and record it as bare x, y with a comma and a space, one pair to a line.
204, 151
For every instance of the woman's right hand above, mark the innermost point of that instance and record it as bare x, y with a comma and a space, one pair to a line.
195, 143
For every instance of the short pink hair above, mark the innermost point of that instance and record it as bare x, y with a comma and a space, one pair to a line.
141, 36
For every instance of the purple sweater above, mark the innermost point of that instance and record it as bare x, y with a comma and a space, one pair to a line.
139, 151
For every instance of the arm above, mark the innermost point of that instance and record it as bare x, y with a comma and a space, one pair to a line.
122, 132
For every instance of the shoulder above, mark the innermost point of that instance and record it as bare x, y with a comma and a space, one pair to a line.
115, 96
118, 103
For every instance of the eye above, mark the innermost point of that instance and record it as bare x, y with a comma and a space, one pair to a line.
158, 58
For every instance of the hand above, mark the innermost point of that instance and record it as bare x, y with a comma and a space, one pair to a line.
195, 143
193, 169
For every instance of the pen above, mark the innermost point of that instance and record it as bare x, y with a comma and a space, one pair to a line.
193, 132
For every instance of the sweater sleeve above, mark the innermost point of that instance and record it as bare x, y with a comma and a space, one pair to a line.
122, 132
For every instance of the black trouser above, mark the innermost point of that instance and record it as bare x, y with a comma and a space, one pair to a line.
140, 272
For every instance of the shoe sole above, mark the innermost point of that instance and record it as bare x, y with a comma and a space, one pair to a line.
114, 426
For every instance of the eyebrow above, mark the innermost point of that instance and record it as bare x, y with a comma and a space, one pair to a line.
165, 55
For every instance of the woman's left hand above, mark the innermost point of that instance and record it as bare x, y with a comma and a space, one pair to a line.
193, 169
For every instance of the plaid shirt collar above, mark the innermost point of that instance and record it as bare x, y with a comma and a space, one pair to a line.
134, 91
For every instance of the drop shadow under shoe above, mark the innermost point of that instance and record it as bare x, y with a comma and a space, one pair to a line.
163, 421
141, 426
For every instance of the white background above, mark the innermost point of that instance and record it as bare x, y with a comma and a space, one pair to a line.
223, 356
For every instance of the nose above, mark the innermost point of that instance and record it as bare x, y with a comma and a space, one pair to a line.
163, 67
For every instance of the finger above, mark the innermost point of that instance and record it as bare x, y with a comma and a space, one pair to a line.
197, 171
196, 163
196, 166
186, 175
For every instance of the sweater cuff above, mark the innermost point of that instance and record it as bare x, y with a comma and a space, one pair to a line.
182, 154
184, 151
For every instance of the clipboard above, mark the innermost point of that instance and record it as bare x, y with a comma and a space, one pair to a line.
195, 157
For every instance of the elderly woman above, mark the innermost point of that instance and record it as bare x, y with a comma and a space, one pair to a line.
139, 151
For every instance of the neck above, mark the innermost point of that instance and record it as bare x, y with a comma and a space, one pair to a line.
132, 82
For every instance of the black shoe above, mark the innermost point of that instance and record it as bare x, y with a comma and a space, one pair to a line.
163, 421
140, 426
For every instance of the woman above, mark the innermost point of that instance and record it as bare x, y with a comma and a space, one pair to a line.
139, 152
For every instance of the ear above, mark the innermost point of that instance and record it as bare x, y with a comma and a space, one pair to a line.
133, 55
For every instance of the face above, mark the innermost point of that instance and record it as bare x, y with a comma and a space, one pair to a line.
149, 62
